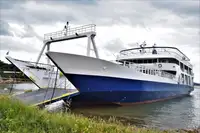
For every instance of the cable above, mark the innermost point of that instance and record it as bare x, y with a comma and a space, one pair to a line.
54, 85
50, 74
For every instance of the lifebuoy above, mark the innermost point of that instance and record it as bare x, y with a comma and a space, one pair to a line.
159, 65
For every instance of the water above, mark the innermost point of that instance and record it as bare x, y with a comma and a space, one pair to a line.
175, 113
17, 88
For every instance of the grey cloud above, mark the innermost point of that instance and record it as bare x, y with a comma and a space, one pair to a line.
183, 8
29, 32
143, 14
4, 28
9, 43
115, 45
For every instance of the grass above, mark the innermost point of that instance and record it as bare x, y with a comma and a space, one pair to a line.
18, 118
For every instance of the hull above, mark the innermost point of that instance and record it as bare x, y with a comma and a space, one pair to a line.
106, 90
103, 82
43, 77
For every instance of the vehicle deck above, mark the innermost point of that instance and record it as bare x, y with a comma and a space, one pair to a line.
44, 96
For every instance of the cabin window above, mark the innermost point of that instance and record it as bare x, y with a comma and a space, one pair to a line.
150, 61
143, 71
154, 60
172, 60
160, 60
139, 61
171, 72
181, 66
190, 71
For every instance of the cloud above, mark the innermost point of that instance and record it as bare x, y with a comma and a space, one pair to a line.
184, 8
120, 23
4, 28
16, 44
107, 12
115, 45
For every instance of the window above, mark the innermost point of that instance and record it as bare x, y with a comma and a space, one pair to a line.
154, 60
139, 61
171, 72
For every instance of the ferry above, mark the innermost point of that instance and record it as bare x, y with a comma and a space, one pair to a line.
43, 75
139, 75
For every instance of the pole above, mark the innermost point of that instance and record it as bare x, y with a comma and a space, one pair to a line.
48, 48
94, 46
88, 45
41, 53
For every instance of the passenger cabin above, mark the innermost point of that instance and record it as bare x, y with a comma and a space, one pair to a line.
169, 60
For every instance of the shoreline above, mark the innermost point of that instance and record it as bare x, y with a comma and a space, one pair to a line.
23, 118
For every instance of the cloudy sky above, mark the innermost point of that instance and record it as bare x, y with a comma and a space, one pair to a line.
120, 25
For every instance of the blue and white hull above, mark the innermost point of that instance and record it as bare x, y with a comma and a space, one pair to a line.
107, 90
103, 82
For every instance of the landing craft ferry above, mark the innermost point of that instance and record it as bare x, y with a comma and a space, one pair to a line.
142, 74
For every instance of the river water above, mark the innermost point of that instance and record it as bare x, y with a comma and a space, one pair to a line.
176, 113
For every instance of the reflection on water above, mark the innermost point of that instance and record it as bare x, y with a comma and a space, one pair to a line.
175, 113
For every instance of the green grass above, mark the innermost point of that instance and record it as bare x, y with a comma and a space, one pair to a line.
18, 118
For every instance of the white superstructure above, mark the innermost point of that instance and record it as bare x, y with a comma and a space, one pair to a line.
162, 61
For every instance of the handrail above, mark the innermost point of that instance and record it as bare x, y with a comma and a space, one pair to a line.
70, 31
31, 62
148, 70
129, 53
156, 47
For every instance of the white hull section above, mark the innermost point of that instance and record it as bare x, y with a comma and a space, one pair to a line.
83, 65
43, 78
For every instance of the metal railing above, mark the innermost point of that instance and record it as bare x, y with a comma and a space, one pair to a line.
164, 51
70, 31
148, 70
37, 65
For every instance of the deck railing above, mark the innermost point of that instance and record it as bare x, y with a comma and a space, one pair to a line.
148, 70
70, 31
148, 51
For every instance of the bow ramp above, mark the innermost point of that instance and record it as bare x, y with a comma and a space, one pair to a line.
44, 97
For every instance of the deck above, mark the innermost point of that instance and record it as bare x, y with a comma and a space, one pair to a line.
44, 96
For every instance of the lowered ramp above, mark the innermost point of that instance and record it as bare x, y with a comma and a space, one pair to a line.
43, 97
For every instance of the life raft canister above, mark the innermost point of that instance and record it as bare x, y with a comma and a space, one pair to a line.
159, 65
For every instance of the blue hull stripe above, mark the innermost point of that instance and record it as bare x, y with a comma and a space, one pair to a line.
110, 90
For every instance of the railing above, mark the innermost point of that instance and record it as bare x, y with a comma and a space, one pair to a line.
70, 31
148, 70
148, 51
40, 65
